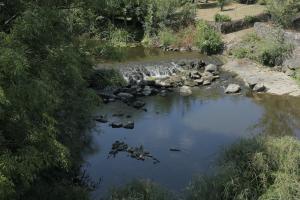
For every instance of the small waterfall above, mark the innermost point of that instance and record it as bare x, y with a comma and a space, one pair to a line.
138, 73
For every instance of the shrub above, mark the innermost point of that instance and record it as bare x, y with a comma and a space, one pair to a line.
167, 37
222, 18
207, 39
142, 190
106, 77
259, 168
250, 19
269, 52
282, 12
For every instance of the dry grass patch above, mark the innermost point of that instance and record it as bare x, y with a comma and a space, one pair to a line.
235, 11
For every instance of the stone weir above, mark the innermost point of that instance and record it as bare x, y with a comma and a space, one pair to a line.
137, 72
161, 78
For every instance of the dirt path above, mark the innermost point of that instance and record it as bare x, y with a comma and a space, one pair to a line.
276, 82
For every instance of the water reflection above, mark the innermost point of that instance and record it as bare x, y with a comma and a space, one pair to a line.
199, 125
281, 115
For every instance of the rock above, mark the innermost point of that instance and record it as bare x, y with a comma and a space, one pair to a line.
101, 119
147, 91
163, 93
190, 83
182, 49
116, 125
129, 125
199, 81
232, 88
206, 82
138, 104
259, 87
252, 82
125, 96
195, 75
211, 68
118, 115
290, 72
185, 91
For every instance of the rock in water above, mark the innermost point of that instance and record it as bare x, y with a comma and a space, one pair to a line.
129, 125
116, 125
101, 119
232, 88
260, 87
138, 104
185, 91
211, 68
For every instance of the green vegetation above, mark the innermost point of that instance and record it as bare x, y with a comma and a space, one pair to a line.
222, 18
140, 189
222, 3
250, 19
207, 39
261, 168
167, 37
283, 12
269, 52
106, 77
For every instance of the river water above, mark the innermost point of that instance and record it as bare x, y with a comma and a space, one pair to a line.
200, 125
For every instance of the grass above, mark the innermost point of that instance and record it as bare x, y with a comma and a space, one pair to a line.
235, 11
140, 190
263, 168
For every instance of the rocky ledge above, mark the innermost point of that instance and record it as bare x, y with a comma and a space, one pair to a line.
260, 78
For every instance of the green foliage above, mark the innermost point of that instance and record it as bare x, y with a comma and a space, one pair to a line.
222, 18
167, 37
260, 168
44, 100
283, 11
107, 77
222, 3
250, 19
207, 39
143, 190
269, 52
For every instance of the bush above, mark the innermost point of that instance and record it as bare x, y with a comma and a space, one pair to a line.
222, 18
139, 190
283, 12
167, 37
259, 168
207, 39
269, 52
250, 19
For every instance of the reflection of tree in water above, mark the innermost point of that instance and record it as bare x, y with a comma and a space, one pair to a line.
166, 104
281, 114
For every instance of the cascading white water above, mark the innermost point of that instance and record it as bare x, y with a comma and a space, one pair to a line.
135, 74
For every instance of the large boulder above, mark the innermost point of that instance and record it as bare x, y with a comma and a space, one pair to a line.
185, 91
232, 88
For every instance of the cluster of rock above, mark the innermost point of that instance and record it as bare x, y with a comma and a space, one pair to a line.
137, 153
126, 125
180, 49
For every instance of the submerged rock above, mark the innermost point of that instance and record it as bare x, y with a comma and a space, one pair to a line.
138, 104
129, 125
185, 91
101, 119
232, 88
116, 125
